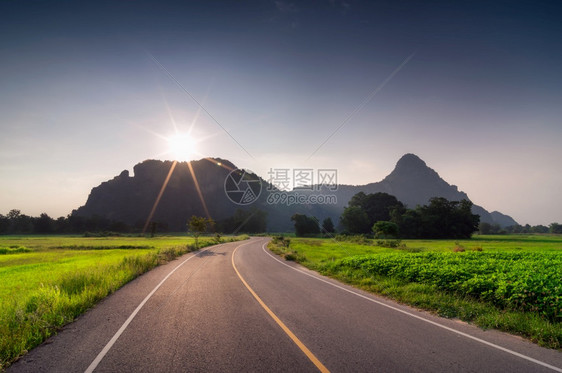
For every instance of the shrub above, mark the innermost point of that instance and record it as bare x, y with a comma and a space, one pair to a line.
390, 243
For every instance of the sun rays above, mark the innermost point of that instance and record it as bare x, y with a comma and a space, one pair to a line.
182, 147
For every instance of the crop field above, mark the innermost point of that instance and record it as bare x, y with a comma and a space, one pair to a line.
46, 281
512, 283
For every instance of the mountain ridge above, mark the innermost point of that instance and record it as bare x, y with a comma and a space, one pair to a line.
131, 199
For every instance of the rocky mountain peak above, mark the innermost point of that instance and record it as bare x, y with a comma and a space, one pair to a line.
410, 161
410, 166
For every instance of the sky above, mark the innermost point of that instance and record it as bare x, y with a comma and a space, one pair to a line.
91, 88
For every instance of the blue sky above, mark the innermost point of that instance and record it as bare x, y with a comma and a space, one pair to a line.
81, 97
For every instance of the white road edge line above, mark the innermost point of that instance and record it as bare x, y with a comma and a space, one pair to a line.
419, 317
116, 336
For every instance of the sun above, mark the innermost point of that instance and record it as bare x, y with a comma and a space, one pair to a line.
182, 146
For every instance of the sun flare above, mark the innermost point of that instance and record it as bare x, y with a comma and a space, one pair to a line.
182, 146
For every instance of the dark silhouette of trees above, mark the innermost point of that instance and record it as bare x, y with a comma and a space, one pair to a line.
20, 223
44, 224
555, 228
447, 219
244, 221
539, 229
524, 229
4, 224
438, 219
328, 226
355, 220
17, 223
305, 225
408, 222
364, 210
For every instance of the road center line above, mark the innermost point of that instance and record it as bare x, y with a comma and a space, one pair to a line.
546, 365
116, 336
284, 327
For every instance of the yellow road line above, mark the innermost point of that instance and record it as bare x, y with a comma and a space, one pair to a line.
287, 331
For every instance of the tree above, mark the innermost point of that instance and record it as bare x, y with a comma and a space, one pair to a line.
4, 224
516, 228
385, 229
447, 219
355, 220
376, 206
247, 221
539, 229
13, 214
379, 206
198, 225
439, 219
44, 224
487, 228
484, 228
61, 225
19, 223
305, 225
408, 221
555, 228
328, 226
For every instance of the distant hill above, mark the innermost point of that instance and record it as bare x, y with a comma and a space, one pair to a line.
130, 199
501, 219
414, 183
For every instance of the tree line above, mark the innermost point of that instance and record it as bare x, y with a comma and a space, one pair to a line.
15, 222
382, 215
487, 228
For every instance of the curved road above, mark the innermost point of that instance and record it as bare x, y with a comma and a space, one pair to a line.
237, 307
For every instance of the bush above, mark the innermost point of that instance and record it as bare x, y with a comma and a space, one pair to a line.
14, 250
281, 240
390, 243
385, 229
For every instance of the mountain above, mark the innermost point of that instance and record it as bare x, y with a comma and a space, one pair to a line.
502, 220
131, 199
414, 183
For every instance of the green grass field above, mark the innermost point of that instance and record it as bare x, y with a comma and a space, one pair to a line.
512, 283
46, 281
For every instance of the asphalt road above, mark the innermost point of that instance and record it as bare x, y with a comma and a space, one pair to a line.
236, 307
